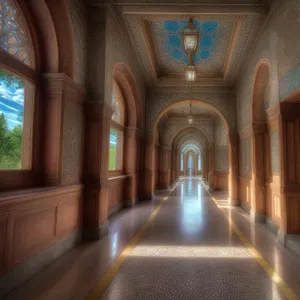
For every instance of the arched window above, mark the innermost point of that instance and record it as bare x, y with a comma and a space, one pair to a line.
199, 162
190, 162
116, 131
17, 82
181, 163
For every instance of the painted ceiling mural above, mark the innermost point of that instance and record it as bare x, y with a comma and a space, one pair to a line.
214, 37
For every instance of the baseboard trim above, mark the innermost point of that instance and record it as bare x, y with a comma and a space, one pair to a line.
95, 233
245, 207
115, 210
35, 264
271, 225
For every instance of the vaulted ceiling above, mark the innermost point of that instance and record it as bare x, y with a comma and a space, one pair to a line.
226, 30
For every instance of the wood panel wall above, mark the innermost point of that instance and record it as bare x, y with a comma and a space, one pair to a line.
116, 191
35, 220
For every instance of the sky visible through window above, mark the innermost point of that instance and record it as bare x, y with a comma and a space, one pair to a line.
12, 101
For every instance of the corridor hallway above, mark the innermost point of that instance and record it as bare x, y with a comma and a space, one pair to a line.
189, 250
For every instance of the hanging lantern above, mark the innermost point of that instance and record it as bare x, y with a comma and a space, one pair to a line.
190, 73
190, 37
190, 117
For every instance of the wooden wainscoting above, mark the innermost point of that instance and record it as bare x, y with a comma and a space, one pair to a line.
116, 192
245, 190
220, 181
33, 220
273, 209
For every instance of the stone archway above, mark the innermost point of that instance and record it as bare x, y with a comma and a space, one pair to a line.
261, 163
233, 147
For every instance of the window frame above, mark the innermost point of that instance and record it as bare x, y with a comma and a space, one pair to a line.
27, 177
120, 128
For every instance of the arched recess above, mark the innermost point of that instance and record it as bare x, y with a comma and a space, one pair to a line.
50, 31
233, 150
261, 156
191, 137
134, 125
190, 159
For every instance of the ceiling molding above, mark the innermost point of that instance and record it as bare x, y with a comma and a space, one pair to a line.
190, 9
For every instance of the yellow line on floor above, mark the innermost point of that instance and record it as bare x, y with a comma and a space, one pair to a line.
101, 286
282, 285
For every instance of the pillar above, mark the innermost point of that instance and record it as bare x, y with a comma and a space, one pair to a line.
149, 176
130, 165
233, 170
258, 208
211, 167
165, 167
98, 116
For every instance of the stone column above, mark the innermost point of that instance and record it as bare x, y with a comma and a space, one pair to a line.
177, 164
258, 208
60, 92
211, 168
130, 165
98, 116
233, 170
173, 166
149, 175
165, 173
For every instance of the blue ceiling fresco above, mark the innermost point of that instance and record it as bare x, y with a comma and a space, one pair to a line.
171, 37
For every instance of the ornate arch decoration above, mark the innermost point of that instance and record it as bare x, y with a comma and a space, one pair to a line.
124, 78
260, 82
50, 26
191, 130
192, 101
186, 147
196, 132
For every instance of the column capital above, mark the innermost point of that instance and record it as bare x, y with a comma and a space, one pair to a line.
259, 127
99, 110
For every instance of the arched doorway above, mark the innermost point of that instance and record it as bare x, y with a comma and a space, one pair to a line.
232, 153
261, 156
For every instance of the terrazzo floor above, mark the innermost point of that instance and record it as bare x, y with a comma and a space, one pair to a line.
189, 251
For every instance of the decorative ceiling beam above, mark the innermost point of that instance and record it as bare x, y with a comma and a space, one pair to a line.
191, 9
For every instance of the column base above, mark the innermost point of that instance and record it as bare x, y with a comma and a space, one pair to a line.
96, 233
234, 202
281, 236
257, 217
131, 203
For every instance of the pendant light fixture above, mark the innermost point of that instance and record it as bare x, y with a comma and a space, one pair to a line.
190, 37
190, 117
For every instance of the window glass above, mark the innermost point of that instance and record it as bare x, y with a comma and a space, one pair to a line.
115, 149
199, 163
181, 163
11, 120
118, 105
14, 33
190, 162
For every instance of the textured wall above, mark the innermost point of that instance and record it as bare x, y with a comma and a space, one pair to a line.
159, 99
78, 16
118, 49
277, 43
245, 165
221, 159
220, 133
170, 130
72, 142
275, 152
221, 146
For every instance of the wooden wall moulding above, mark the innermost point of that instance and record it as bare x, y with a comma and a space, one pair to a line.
59, 91
33, 221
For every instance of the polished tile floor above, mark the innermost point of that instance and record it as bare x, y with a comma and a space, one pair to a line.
189, 251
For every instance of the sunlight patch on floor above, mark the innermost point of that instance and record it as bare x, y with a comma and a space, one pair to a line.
189, 252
